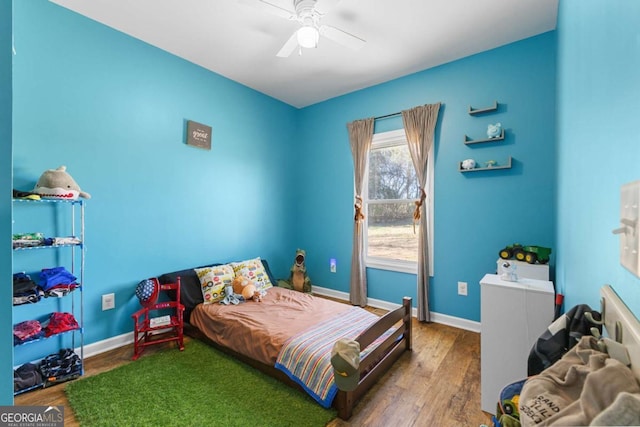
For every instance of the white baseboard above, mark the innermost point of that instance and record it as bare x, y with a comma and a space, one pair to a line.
444, 319
96, 348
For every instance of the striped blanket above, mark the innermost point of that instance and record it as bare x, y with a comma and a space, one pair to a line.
306, 357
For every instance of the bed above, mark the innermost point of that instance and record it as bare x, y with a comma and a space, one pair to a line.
289, 336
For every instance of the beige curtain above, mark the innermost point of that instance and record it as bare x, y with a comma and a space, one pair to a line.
360, 136
419, 125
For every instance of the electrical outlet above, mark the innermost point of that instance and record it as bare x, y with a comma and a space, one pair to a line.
332, 265
108, 301
462, 288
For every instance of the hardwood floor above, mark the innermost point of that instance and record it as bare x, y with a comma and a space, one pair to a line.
437, 384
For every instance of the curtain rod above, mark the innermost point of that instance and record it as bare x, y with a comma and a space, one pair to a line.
387, 116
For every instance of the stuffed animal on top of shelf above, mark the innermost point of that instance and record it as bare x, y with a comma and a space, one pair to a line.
58, 184
468, 164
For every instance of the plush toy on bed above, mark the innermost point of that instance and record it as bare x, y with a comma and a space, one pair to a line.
58, 184
229, 296
245, 288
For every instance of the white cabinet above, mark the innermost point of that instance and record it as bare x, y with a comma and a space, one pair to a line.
513, 316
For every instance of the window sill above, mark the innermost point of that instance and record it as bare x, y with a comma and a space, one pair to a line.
392, 265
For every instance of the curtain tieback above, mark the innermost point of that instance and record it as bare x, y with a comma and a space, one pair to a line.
416, 212
358, 206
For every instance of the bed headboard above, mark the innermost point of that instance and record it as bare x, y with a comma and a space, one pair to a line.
621, 325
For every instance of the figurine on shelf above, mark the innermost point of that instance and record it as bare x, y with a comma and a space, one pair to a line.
509, 272
490, 163
493, 131
468, 164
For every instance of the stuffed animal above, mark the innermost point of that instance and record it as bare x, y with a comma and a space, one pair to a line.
245, 287
299, 279
257, 296
468, 164
229, 296
58, 184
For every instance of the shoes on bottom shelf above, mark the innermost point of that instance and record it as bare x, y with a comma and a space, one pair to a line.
57, 367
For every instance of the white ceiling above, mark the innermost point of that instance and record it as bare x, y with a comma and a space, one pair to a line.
403, 37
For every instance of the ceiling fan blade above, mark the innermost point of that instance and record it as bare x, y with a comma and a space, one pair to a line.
267, 7
289, 46
342, 37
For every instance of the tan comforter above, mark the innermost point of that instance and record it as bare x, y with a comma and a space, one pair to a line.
259, 329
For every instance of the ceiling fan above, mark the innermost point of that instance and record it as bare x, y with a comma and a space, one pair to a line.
308, 14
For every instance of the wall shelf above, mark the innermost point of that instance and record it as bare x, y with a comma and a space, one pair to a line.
468, 141
493, 107
487, 168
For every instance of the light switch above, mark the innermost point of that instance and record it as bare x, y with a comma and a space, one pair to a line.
628, 230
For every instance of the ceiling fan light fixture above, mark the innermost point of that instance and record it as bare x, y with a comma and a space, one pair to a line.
308, 36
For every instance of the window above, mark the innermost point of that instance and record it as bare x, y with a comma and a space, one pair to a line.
389, 195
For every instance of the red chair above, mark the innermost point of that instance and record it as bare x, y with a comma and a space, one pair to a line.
151, 323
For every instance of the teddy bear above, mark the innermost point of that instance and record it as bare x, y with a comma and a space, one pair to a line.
245, 287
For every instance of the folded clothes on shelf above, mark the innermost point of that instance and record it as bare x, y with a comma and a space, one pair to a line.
26, 330
25, 290
18, 341
51, 277
25, 240
60, 290
60, 322
71, 240
17, 194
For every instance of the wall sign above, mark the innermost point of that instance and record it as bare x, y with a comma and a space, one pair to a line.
198, 135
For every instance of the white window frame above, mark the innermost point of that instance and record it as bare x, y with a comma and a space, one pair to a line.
391, 139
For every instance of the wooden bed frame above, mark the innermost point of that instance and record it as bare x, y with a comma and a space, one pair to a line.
372, 367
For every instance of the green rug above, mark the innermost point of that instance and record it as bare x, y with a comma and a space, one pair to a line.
200, 386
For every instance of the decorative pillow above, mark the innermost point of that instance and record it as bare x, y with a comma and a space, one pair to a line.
253, 270
213, 279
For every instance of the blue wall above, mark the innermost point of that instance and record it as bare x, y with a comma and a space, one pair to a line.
113, 109
476, 214
598, 146
6, 352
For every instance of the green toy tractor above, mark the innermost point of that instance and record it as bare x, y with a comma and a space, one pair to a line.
530, 254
